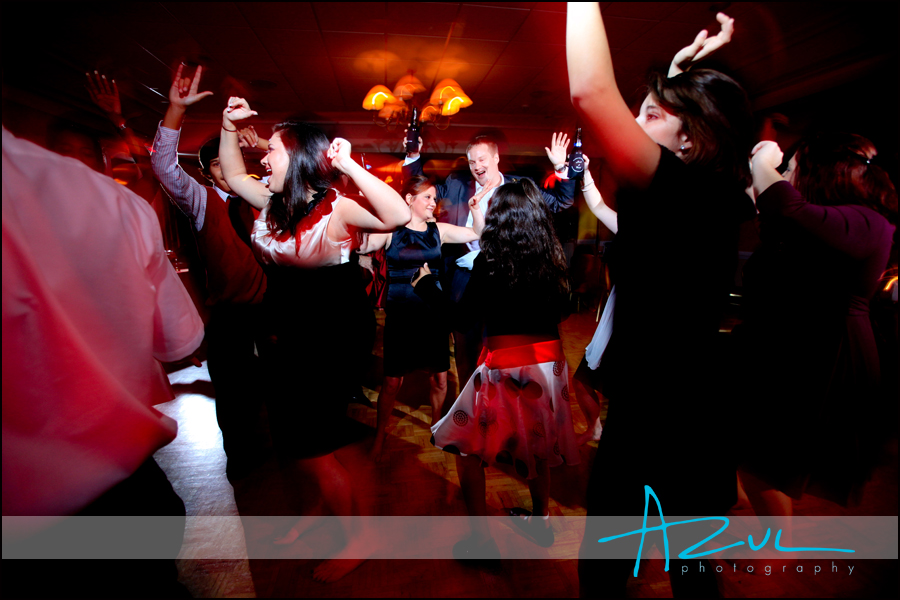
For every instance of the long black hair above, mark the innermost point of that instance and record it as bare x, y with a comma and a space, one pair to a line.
519, 242
715, 114
309, 178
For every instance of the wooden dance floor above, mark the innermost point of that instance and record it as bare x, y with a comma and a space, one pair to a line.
414, 478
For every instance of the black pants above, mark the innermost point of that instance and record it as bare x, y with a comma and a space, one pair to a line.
146, 493
234, 369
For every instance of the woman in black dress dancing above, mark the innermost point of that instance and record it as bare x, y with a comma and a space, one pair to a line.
677, 172
416, 337
304, 236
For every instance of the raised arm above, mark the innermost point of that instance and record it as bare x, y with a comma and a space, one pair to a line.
231, 160
848, 228
702, 46
414, 165
380, 209
105, 94
595, 202
248, 138
454, 234
559, 143
188, 194
632, 156
766, 157
372, 242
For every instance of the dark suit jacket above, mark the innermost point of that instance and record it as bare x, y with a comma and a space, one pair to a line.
453, 195
453, 207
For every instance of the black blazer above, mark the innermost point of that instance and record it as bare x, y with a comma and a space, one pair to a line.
454, 194
453, 207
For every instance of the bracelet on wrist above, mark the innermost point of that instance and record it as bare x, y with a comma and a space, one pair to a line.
229, 130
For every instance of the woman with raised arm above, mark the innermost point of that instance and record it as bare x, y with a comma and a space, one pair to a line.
514, 410
807, 337
416, 337
679, 171
304, 235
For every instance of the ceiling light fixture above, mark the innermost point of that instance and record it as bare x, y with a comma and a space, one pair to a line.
393, 108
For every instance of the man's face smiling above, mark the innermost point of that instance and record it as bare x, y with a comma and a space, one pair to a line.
483, 164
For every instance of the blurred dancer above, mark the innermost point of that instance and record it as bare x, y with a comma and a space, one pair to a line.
91, 305
315, 302
680, 166
807, 337
235, 280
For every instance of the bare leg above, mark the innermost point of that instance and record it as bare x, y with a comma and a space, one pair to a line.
437, 396
589, 402
472, 482
303, 524
337, 493
742, 500
390, 386
773, 508
540, 492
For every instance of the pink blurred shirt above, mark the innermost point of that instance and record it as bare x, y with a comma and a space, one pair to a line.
91, 305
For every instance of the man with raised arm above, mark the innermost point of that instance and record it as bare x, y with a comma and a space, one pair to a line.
235, 280
454, 194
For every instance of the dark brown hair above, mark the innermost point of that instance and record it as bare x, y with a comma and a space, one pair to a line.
308, 179
836, 168
416, 185
715, 114
519, 242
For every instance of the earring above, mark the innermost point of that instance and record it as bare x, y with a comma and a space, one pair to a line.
683, 148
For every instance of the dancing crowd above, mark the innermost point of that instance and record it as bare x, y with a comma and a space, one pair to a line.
290, 323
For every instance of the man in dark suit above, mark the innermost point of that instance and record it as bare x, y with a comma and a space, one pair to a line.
454, 194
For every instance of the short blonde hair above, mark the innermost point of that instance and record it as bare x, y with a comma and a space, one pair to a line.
483, 140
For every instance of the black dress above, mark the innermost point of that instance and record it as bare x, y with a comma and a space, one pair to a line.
669, 420
315, 317
813, 366
673, 260
415, 336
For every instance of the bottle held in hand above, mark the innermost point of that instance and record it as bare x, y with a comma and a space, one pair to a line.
576, 159
413, 132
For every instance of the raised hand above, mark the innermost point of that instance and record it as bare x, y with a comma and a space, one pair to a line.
413, 155
474, 201
702, 46
247, 137
557, 150
339, 154
104, 93
766, 153
184, 91
237, 110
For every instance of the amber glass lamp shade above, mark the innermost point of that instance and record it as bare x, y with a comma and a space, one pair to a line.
396, 108
450, 96
429, 113
377, 97
408, 86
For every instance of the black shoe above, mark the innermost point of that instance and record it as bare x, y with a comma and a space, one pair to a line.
246, 462
533, 529
485, 555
